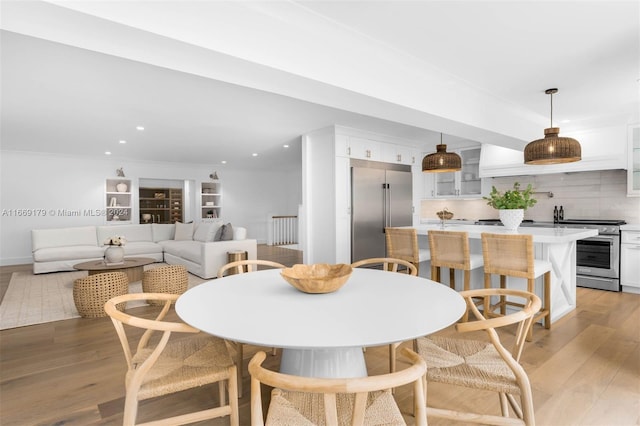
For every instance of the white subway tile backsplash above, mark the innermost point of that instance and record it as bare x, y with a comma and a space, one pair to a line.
583, 195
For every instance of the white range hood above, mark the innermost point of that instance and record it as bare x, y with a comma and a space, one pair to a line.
602, 149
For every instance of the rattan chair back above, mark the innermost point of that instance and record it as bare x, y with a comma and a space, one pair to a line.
242, 266
510, 255
158, 365
402, 243
308, 400
450, 249
485, 365
387, 264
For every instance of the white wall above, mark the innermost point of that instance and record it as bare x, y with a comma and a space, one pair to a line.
40, 185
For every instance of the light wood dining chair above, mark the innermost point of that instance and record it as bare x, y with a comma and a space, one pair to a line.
513, 255
450, 249
392, 265
484, 365
358, 401
160, 364
402, 243
241, 267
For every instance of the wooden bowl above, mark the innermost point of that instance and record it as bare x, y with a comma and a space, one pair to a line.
317, 278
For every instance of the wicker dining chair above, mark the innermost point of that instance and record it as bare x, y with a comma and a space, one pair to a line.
359, 401
163, 365
172, 279
484, 365
240, 267
402, 243
513, 256
392, 265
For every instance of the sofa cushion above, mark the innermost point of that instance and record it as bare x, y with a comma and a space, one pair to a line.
67, 253
163, 231
227, 233
239, 233
131, 233
206, 231
189, 250
61, 237
141, 247
184, 232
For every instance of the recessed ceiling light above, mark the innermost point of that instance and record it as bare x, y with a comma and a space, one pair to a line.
224, 161
122, 141
140, 128
107, 152
255, 154
285, 146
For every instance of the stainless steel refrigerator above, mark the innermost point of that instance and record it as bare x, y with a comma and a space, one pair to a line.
381, 196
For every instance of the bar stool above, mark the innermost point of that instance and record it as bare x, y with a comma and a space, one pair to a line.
402, 243
513, 255
450, 249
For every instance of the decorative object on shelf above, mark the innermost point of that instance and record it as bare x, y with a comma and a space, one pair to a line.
120, 172
114, 253
159, 195
441, 161
122, 187
214, 176
317, 278
209, 214
146, 217
511, 205
552, 149
115, 217
444, 215
113, 202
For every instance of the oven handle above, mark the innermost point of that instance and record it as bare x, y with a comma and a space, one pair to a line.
603, 238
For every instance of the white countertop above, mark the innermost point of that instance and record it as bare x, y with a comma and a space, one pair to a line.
557, 235
630, 227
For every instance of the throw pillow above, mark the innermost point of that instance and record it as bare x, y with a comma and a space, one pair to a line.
218, 236
206, 231
227, 233
184, 231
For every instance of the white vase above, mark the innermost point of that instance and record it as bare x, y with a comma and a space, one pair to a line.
121, 187
511, 218
114, 254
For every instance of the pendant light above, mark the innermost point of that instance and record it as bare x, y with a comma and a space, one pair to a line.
553, 149
441, 161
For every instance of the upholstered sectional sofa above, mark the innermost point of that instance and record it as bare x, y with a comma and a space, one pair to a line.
203, 247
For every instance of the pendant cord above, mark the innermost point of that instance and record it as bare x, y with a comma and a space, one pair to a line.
551, 94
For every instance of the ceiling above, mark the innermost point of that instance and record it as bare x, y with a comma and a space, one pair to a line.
215, 81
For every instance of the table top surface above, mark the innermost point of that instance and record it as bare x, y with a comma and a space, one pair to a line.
373, 308
99, 265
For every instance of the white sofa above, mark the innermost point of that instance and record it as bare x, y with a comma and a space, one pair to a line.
191, 245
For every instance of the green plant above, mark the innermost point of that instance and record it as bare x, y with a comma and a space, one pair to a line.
511, 199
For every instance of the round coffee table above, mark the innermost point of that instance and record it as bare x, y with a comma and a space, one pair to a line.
132, 266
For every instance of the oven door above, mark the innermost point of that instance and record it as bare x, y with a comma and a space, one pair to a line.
599, 256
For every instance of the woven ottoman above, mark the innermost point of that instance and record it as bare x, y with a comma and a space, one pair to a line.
172, 279
91, 293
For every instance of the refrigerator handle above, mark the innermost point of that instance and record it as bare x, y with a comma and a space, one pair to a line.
385, 210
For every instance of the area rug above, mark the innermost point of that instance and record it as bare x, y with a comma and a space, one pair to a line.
36, 299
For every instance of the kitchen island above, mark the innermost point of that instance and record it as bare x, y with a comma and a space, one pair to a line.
555, 244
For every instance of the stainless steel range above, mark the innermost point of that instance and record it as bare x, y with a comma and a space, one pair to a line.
598, 258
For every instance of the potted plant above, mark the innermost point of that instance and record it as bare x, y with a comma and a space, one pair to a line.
511, 204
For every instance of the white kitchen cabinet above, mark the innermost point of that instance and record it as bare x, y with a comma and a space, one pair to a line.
630, 261
362, 148
465, 183
399, 154
633, 168
365, 149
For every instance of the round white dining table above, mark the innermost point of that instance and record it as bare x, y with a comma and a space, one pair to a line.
322, 335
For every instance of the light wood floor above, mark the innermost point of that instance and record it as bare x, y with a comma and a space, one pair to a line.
584, 371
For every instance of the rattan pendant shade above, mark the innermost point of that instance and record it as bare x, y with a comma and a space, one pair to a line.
552, 149
441, 161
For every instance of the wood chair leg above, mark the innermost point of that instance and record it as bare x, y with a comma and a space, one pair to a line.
434, 273
503, 300
222, 393
452, 278
504, 404
531, 289
547, 300
239, 366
